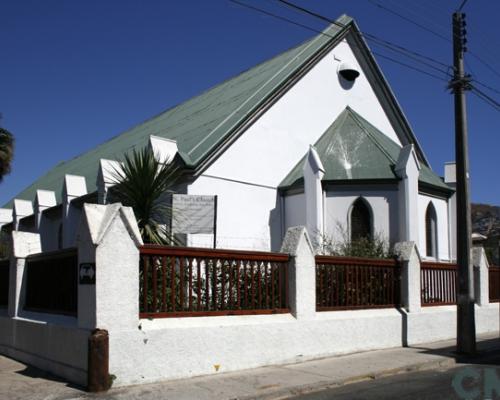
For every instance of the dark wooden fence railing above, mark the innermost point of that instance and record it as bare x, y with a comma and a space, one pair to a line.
51, 282
4, 283
494, 284
181, 282
356, 283
438, 283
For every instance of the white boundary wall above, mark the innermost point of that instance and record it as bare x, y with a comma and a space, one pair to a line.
152, 350
51, 343
185, 347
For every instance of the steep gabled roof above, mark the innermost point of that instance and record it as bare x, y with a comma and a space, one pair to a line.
352, 149
206, 124
201, 124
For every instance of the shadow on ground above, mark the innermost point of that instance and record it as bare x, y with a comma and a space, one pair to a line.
488, 352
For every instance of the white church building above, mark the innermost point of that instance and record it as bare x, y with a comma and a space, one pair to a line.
313, 136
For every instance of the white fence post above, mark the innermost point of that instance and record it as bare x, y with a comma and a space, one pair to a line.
23, 244
44, 199
411, 290
108, 259
22, 208
74, 186
301, 273
481, 276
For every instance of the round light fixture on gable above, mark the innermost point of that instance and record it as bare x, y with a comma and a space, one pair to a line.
348, 72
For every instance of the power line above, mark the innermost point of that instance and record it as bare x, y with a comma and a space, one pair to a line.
486, 86
279, 17
422, 62
376, 4
486, 101
491, 101
462, 5
410, 67
476, 56
366, 34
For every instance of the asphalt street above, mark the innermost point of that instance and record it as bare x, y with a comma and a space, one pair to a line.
472, 381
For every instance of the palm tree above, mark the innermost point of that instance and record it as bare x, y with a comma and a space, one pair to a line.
144, 184
6, 152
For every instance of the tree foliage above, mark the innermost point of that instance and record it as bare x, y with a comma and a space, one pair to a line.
6, 152
144, 184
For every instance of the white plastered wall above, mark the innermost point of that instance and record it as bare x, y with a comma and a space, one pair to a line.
245, 216
213, 345
271, 147
295, 209
441, 207
383, 204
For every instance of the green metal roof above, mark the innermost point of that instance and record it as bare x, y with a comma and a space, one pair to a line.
199, 125
203, 125
353, 149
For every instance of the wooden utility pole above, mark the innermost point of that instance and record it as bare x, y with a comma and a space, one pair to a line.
466, 328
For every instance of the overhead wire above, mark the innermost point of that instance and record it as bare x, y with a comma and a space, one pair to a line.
279, 17
473, 54
365, 34
377, 4
488, 99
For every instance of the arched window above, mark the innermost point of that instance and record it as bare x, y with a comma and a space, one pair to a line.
431, 231
361, 220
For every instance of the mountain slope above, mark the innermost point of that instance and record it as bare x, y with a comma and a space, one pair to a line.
486, 221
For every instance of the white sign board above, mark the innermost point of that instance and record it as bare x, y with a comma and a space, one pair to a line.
193, 213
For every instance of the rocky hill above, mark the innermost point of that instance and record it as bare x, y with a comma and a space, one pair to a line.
486, 221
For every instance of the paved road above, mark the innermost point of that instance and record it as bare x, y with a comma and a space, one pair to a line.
465, 382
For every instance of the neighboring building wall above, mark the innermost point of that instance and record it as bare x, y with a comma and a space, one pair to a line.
383, 204
272, 146
441, 206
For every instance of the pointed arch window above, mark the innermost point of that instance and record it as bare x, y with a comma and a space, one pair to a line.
431, 231
361, 220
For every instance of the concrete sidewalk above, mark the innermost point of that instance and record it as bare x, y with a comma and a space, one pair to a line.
18, 381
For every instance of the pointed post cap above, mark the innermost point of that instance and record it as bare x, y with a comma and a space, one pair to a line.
98, 219
74, 186
163, 149
295, 238
45, 199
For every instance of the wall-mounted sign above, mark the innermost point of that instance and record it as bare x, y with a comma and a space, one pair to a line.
86, 273
193, 214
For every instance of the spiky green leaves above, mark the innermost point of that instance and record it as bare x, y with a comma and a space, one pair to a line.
145, 184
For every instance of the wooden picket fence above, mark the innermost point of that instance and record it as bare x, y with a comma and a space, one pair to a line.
187, 282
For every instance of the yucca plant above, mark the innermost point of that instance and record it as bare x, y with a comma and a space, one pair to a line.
144, 183
6, 152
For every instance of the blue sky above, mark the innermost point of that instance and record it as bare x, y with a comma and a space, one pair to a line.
75, 73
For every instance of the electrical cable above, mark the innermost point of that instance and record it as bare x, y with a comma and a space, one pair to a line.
473, 54
365, 34
279, 17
